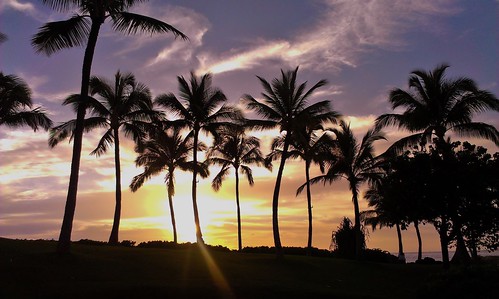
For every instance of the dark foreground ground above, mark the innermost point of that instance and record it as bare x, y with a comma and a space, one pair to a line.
30, 269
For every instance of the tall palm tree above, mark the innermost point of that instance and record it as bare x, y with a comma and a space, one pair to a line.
15, 100
286, 105
200, 107
435, 105
165, 151
124, 104
233, 149
354, 162
313, 146
83, 28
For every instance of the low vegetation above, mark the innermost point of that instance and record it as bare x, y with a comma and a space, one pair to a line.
31, 269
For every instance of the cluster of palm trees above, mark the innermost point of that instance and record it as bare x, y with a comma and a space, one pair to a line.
433, 106
166, 129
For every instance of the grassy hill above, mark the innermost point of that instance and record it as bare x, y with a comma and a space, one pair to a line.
30, 269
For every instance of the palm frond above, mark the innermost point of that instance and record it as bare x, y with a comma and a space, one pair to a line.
219, 178
249, 174
35, 118
55, 36
104, 143
62, 5
478, 129
131, 23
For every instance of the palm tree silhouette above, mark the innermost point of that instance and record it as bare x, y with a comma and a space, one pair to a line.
435, 105
233, 149
125, 104
354, 162
83, 28
313, 146
286, 105
15, 99
200, 108
385, 201
166, 150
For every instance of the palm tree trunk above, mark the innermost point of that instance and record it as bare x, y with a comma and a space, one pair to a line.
275, 201
113, 238
239, 235
309, 207
420, 242
461, 255
358, 233
172, 211
401, 255
199, 235
473, 249
64, 243
442, 232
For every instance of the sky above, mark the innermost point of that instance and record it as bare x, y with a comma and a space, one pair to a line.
363, 48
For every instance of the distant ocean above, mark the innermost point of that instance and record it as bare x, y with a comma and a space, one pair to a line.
411, 257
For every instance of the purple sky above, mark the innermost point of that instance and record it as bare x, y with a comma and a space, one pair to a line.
362, 47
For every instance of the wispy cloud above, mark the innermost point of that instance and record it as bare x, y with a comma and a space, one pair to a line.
17, 5
189, 22
345, 30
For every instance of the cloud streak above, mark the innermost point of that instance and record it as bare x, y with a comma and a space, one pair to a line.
345, 30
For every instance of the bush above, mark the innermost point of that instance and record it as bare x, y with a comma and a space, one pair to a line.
172, 245
379, 256
127, 243
91, 242
343, 239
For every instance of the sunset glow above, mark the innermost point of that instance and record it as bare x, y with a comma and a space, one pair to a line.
362, 48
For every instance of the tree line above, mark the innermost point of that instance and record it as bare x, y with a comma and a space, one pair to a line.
166, 133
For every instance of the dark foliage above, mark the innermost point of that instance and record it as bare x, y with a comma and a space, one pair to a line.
343, 239
288, 251
172, 245
379, 256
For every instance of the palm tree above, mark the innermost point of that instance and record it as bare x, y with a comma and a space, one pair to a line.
286, 105
200, 108
435, 105
83, 28
234, 149
125, 104
15, 98
312, 147
166, 150
354, 162
385, 200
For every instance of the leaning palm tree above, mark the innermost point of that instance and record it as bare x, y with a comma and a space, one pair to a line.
434, 106
165, 151
15, 100
200, 107
286, 105
124, 104
312, 145
233, 149
354, 162
83, 29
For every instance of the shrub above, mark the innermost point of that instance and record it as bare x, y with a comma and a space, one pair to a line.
343, 239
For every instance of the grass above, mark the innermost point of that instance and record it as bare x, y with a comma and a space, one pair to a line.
31, 269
